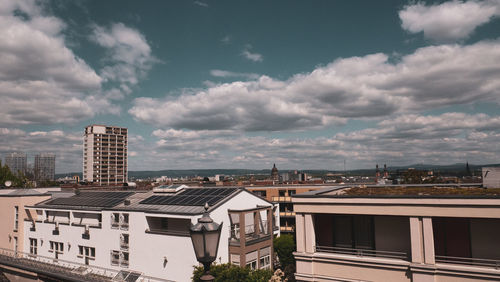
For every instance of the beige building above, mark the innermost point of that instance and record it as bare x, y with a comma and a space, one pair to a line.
398, 234
13, 215
105, 155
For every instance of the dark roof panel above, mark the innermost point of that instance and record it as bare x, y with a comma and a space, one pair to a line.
191, 197
92, 199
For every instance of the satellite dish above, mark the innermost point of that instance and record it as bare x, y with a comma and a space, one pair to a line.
8, 183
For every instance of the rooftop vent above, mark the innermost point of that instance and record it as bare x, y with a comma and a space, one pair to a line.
127, 202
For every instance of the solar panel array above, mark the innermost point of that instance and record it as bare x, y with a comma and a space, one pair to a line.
191, 197
92, 199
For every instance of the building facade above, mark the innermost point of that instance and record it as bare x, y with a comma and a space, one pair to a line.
105, 155
148, 232
45, 167
380, 234
280, 196
17, 162
13, 215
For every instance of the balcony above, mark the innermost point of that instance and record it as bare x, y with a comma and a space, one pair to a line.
362, 252
249, 233
282, 199
287, 213
469, 261
287, 228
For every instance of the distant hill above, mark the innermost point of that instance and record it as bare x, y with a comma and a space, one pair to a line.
451, 168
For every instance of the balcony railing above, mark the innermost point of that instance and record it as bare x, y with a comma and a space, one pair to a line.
469, 261
287, 213
62, 269
287, 228
282, 199
362, 252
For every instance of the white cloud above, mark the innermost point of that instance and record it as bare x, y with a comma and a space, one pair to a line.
41, 80
66, 145
403, 140
357, 87
255, 57
130, 56
448, 21
226, 39
229, 74
201, 4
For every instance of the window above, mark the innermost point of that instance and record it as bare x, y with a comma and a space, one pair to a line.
115, 257
15, 244
33, 246
282, 193
115, 220
16, 218
124, 259
355, 232
57, 248
265, 262
86, 252
124, 222
261, 193
124, 240
252, 264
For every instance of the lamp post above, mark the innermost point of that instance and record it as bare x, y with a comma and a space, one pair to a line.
205, 237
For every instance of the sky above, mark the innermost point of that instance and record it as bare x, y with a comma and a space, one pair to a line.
245, 84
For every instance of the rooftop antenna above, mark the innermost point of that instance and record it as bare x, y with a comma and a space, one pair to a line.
344, 167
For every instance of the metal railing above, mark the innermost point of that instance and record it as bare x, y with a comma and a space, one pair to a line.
62, 268
58, 267
362, 252
469, 261
287, 213
281, 199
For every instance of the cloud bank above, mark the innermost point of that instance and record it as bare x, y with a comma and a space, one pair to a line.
448, 21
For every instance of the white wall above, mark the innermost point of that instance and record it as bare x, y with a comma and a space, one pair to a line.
146, 251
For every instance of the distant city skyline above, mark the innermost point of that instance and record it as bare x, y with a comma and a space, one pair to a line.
230, 84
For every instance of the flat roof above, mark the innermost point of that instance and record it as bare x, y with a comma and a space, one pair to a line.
410, 191
187, 201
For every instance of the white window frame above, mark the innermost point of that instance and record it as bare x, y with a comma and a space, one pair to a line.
265, 262
113, 255
33, 246
124, 259
252, 264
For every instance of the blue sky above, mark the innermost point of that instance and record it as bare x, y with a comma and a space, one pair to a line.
245, 84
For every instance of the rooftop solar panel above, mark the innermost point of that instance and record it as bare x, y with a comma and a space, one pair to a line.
191, 197
92, 199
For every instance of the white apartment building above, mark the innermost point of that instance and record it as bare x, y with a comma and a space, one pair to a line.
105, 155
45, 166
17, 162
148, 232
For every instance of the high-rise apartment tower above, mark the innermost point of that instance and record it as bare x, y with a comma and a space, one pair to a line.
17, 162
105, 154
45, 166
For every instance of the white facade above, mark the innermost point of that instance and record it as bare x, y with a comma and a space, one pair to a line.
105, 155
491, 177
161, 255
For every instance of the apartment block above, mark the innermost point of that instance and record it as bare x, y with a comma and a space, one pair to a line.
424, 234
45, 166
147, 233
105, 155
17, 162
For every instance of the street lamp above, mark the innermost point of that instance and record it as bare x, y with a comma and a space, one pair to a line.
205, 237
